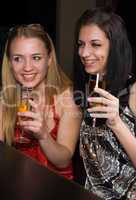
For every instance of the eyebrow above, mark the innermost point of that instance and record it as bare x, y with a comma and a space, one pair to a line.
16, 54
94, 40
37, 54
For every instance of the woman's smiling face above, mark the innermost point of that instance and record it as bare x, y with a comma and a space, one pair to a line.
93, 48
29, 61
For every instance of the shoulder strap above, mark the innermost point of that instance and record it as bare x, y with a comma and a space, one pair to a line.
55, 115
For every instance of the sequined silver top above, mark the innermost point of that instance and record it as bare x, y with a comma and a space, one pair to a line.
110, 173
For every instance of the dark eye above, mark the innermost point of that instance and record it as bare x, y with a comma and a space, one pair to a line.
17, 59
96, 44
80, 44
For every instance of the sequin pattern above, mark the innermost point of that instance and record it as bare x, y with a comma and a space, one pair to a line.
110, 173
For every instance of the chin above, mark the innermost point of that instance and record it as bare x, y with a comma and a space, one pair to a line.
32, 83
29, 85
91, 71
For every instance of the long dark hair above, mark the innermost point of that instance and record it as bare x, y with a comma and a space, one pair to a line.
119, 62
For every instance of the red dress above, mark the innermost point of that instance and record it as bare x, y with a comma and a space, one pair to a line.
33, 149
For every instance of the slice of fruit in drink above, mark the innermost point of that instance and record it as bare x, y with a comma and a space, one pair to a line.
23, 107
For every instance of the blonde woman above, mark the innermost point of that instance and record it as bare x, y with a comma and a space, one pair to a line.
52, 125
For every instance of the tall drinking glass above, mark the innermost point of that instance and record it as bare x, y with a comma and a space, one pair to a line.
23, 107
95, 81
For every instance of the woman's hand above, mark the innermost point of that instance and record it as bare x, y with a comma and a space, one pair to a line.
36, 123
108, 107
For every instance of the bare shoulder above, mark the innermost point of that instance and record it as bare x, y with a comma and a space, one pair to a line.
67, 103
132, 98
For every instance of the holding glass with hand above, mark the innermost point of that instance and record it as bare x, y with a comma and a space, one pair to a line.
108, 150
95, 81
24, 107
30, 60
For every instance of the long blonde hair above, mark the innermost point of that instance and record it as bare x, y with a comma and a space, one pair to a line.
56, 80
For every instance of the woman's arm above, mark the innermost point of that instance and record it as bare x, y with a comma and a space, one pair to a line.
126, 138
123, 133
111, 112
59, 152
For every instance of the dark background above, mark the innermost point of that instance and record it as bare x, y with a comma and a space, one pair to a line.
13, 13
44, 12
29, 11
126, 9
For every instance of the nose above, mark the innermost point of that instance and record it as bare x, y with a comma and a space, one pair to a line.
85, 52
28, 64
